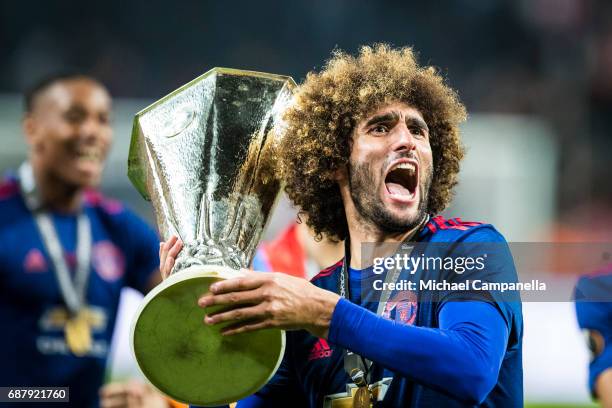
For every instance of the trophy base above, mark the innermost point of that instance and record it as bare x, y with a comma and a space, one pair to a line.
190, 361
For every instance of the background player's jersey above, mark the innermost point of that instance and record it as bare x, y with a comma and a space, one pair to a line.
283, 254
312, 373
593, 297
33, 350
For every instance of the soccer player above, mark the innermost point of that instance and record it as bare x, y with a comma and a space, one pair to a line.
66, 251
593, 297
371, 156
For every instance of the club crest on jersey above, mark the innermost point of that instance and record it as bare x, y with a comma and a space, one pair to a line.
401, 307
320, 350
34, 261
108, 261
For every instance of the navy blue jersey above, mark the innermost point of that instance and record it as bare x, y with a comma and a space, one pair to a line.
312, 372
593, 297
33, 350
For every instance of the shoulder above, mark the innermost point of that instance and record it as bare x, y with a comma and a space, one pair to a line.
9, 191
592, 296
11, 203
109, 207
325, 277
114, 213
98, 201
596, 285
440, 229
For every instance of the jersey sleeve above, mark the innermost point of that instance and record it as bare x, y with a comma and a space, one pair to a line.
595, 317
144, 248
462, 357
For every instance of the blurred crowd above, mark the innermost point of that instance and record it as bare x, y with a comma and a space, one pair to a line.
550, 58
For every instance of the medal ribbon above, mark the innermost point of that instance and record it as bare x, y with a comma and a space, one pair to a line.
73, 293
357, 367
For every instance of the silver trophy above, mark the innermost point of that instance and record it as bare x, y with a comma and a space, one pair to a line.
205, 155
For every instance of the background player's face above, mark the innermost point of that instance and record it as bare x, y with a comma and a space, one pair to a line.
390, 167
69, 130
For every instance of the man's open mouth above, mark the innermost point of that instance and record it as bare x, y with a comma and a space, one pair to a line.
90, 154
402, 180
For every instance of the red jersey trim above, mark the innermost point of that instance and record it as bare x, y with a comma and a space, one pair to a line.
96, 199
8, 189
441, 223
605, 270
327, 271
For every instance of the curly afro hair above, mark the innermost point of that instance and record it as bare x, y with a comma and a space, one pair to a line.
330, 103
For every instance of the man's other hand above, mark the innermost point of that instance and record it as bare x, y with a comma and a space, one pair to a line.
131, 394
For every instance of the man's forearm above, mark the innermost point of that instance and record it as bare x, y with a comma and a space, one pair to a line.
461, 358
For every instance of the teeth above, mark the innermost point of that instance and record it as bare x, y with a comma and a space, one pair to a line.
89, 154
407, 166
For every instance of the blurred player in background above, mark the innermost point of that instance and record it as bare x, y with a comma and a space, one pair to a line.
296, 251
65, 250
593, 297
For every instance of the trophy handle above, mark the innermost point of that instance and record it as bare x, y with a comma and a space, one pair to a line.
136, 171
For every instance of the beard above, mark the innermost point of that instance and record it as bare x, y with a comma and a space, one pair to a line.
363, 187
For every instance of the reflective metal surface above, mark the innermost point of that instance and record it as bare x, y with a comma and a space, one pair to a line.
205, 157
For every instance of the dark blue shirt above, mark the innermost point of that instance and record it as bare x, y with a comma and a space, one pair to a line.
312, 373
33, 350
593, 297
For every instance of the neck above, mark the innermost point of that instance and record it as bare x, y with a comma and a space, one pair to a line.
362, 231
55, 193
379, 243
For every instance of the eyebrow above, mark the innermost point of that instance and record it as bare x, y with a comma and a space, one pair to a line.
416, 121
384, 118
394, 117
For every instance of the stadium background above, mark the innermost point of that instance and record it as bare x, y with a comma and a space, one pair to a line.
536, 76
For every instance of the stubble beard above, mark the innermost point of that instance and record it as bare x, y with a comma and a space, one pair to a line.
363, 189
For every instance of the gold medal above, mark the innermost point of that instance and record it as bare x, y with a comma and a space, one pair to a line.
362, 398
78, 334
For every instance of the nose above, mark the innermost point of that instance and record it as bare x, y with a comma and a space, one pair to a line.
404, 140
89, 129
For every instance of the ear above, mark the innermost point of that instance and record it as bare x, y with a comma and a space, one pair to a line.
28, 127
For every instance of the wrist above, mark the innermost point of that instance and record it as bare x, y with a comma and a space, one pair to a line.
342, 326
325, 304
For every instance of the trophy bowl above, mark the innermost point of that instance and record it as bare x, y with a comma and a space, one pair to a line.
205, 156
